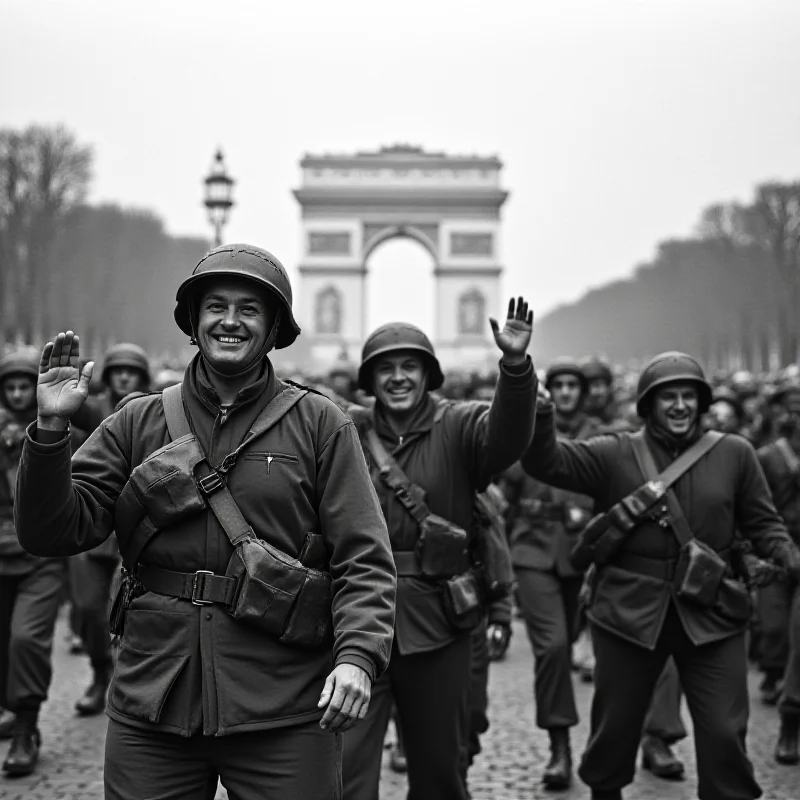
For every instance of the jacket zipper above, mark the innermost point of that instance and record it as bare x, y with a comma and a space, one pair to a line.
270, 457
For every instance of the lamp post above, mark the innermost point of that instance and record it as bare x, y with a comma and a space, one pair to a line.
218, 196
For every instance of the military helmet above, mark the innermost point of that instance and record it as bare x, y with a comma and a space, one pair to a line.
724, 394
566, 366
24, 361
125, 354
595, 368
245, 261
668, 368
398, 336
785, 394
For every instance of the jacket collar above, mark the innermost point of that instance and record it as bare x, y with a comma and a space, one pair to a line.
421, 421
571, 426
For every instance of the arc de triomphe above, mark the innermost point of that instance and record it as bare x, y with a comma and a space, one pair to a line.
352, 203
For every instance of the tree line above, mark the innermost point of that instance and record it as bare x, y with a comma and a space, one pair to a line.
729, 293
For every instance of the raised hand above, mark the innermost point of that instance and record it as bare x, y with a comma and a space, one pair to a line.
62, 387
515, 337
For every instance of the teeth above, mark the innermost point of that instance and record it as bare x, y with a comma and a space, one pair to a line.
230, 339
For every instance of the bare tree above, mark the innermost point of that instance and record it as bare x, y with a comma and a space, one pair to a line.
44, 173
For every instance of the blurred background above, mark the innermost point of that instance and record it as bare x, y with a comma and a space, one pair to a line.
650, 151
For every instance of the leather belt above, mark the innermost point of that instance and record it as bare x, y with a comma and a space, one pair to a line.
202, 587
663, 569
406, 564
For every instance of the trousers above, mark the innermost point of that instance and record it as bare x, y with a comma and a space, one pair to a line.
664, 715
478, 720
549, 605
91, 579
789, 702
431, 692
302, 762
28, 611
714, 679
774, 603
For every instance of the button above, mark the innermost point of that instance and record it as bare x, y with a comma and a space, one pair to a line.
208, 615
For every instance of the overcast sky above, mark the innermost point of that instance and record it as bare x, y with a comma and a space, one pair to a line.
617, 121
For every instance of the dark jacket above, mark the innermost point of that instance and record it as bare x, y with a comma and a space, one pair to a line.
451, 455
188, 669
784, 483
724, 491
544, 521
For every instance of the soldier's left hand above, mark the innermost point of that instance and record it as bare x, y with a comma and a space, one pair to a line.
498, 638
346, 694
515, 337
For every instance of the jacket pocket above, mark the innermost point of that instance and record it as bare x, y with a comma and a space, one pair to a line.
271, 458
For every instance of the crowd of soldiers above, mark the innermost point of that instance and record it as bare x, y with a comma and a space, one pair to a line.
363, 559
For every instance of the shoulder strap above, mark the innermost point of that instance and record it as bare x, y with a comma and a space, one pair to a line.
789, 456
394, 478
174, 412
672, 473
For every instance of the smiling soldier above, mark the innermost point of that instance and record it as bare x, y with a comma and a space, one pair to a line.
429, 458
258, 603
672, 499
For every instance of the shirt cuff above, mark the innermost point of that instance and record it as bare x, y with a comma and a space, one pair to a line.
517, 370
356, 659
43, 441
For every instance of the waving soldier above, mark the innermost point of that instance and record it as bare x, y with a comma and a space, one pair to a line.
672, 499
258, 606
429, 458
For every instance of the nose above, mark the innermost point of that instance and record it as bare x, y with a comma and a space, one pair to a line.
679, 402
231, 318
397, 374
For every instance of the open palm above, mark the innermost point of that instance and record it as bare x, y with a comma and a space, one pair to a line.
62, 387
515, 336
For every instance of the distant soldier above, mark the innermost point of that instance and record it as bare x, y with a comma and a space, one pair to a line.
543, 525
428, 458
779, 602
661, 550
258, 601
30, 587
126, 370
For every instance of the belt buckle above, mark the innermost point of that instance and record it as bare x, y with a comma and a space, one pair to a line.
197, 584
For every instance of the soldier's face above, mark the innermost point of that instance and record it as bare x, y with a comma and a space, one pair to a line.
675, 407
599, 394
566, 393
19, 392
399, 381
234, 319
124, 380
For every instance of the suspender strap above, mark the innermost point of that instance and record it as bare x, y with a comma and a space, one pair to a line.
394, 478
211, 482
672, 473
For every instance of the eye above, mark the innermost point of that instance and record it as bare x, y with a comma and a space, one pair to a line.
214, 306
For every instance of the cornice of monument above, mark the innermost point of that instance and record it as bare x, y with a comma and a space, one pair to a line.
387, 196
400, 155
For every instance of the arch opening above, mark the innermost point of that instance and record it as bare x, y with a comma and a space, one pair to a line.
400, 285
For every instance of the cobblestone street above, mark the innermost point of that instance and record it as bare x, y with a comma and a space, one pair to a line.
514, 751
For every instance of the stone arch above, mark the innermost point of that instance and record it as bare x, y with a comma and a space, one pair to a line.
350, 204
328, 311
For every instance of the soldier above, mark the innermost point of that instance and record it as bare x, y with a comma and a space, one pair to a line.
125, 370
30, 587
599, 402
779, 602
726, 413
258, 559
644, 607
543, 525
429, 457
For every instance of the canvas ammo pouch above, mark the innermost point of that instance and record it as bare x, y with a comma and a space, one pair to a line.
462, 601
441, 547
698, 573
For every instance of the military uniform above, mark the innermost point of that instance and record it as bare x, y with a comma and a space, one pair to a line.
451, 450
638, 620
197, 694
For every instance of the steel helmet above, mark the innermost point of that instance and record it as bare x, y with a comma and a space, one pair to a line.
24, 361
245, 261
596, 369
126, 354
566, 366
398, 336
668, 368
724, 394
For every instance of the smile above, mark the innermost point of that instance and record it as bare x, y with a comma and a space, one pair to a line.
230, 339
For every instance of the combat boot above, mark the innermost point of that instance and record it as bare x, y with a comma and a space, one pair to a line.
93, 701
770, 690
23, 754
658, 758
7, 719
611, 794
558, 772
786, 751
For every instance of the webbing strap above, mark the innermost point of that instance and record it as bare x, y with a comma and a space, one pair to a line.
672, 473
212, 481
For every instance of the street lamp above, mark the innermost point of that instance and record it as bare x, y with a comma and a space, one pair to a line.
218, 199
